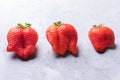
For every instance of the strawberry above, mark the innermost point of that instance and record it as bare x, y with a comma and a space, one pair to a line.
62, 37
101, 37
22, 40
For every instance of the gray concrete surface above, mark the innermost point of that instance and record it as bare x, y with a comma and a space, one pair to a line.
89, 65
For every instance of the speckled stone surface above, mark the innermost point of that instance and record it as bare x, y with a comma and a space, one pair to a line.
82, 14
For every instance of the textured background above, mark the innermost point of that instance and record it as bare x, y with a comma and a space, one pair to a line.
89, 65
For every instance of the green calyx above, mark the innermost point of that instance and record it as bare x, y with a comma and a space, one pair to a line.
23, 26
59, 23
100, 25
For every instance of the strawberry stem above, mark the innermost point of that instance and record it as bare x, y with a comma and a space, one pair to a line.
100, 25
94, 25
23, 26
59, 23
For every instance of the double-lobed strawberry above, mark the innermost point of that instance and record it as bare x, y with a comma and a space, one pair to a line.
62, 37
22, 40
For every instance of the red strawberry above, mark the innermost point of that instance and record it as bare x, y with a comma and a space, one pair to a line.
101, 37
22, 40
62, 37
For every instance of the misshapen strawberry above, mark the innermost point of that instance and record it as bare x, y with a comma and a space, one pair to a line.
22, 40
101, 37
62, 37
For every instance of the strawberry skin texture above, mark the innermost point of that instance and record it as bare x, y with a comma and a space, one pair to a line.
62, 38
22, 41
102, 38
